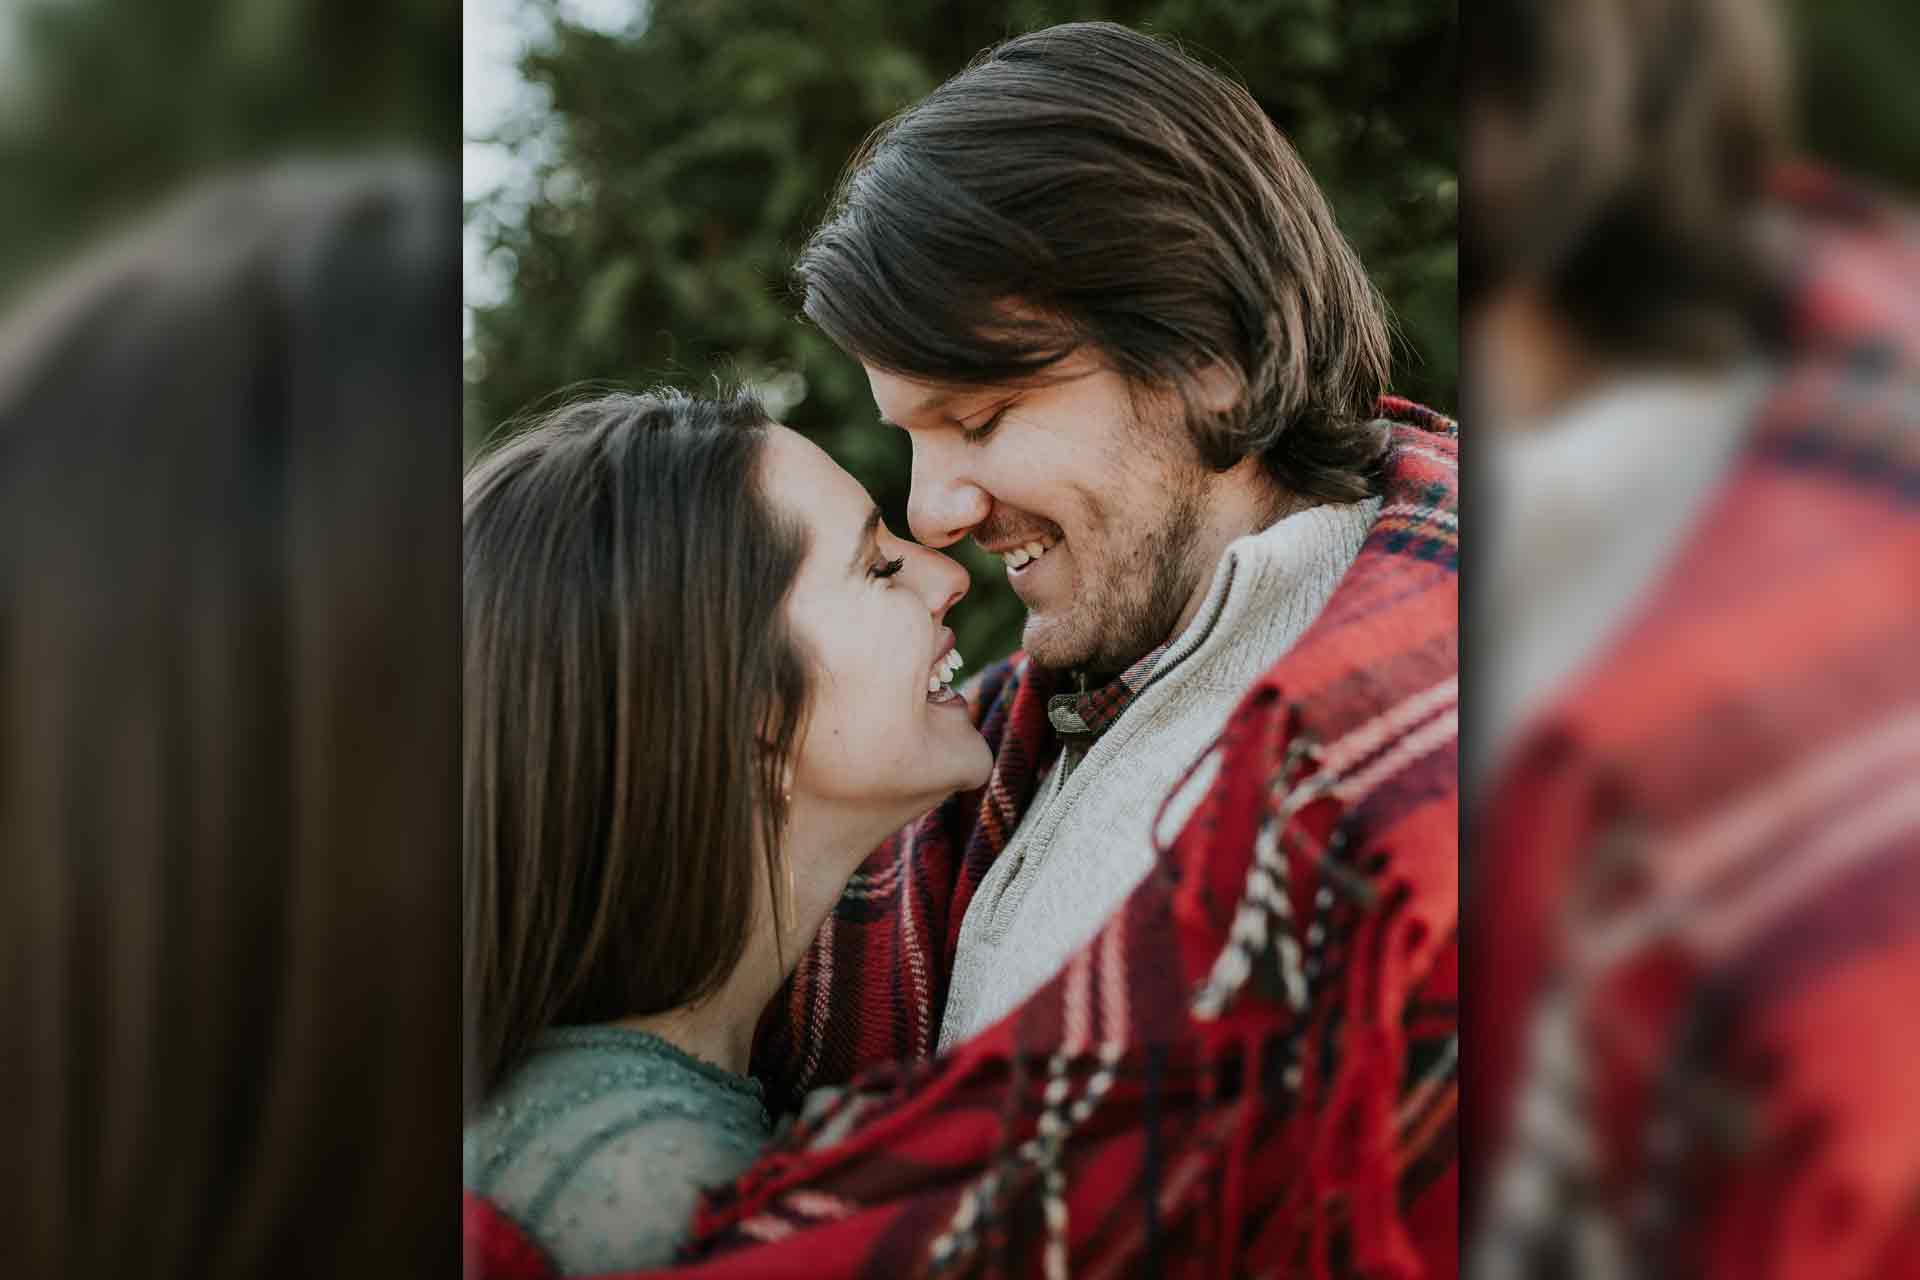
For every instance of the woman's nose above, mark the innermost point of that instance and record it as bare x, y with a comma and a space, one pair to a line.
943, 506
946, 582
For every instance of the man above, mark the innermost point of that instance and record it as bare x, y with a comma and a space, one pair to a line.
1175, 989
1696, 872
1103, 299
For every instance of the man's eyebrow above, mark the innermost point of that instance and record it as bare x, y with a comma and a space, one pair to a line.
936, 400
867, 530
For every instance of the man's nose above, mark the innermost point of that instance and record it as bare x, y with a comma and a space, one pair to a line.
945, 504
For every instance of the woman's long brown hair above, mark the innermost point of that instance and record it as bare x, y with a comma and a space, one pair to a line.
632, 700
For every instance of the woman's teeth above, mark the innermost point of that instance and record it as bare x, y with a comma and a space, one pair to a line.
1022, 556
943, 671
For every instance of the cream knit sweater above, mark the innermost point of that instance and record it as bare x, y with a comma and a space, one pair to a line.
1084, 842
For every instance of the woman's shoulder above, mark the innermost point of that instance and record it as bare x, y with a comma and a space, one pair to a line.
600, 1142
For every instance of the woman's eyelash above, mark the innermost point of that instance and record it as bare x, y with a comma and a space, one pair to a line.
974, 435
890, 568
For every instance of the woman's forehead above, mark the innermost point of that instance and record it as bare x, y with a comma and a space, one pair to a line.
804, 475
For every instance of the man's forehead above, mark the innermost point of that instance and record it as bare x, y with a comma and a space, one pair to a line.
915, 398
903, 398
912, 395
932, 399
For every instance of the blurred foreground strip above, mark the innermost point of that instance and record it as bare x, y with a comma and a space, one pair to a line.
1693, 878
228, 703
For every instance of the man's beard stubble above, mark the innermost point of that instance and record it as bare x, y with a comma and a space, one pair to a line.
1133, 607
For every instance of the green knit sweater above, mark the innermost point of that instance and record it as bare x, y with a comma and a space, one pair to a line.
601, 1140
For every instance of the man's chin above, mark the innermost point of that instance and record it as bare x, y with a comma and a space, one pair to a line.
1054, 643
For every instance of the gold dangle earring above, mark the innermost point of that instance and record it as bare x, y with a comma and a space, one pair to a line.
786, 854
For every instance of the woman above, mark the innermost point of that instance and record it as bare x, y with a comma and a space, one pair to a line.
703, 681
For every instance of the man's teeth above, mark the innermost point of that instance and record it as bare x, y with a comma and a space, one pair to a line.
944, 670
1024, 555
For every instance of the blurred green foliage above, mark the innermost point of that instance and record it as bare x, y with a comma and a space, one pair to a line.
106, 105
1859, 99
684, 160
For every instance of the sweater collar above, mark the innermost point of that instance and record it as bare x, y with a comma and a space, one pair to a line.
1089, 712
1272, 563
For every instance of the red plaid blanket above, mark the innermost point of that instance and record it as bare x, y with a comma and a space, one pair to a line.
1702, 876
1251, 1067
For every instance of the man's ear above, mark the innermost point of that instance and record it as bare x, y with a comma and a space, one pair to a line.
1217, 387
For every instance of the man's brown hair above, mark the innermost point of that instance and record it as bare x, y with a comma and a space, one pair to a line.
1087, 185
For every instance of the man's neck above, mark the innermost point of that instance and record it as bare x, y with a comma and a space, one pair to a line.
1243, 501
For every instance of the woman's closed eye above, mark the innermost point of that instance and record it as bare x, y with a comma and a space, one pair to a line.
888, 568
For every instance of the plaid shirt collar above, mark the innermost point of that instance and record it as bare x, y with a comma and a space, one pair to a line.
1088, 713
